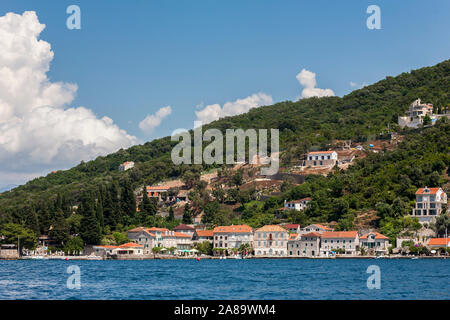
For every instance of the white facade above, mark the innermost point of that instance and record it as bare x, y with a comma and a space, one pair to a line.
334, 240
298, 205
232, 237
429, 204
271, 241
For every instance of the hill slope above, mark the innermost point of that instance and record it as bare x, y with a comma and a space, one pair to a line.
308, 122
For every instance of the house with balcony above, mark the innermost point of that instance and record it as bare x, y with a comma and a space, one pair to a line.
335, 241
429, 204
375, 242
232, 237
321, 158
270, 241
414, 115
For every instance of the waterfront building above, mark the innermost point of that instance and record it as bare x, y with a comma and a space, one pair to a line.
374, 241
310, 244
429, 204
293, 247
436, 243
143, 237
232, 237
129, 248
346, 241
270, 241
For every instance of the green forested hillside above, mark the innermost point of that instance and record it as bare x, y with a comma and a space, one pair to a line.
377, 182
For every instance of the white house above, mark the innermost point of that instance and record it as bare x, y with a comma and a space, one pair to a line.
130, 248
293, 228
334, 240
315, 228
298, 205
321, 158
374, 241
429, 204
270, 241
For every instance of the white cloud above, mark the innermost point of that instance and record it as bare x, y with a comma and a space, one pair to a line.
308, 81
357, 85
215, 111
154, 120
38, 130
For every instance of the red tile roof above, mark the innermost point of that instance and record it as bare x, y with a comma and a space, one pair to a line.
377, 235
292, 226
181, 235
205, 233
439, 242
233, 229
431, 191
340, 234
321, 226
183, 227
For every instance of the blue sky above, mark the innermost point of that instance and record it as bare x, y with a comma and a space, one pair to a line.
132, 58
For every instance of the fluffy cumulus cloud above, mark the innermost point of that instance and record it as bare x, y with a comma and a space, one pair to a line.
308, 81
215, 111
38, 129
153, 121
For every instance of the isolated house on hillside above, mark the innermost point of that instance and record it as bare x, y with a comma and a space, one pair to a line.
126, 165
321, 158
429, 204
298, 205
416, 113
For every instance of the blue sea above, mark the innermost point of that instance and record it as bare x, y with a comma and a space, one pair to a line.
226, 279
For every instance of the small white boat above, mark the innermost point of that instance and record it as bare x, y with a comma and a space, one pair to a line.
414, 258
37, 257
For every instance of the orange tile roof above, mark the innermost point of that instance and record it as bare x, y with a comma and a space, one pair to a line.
292, 226
340, 234
158, 229
271, 228
131, 245
321, 152
312, 234
439, 242
181, 235
432, 191
377, 235
205, 233
183, 227
233, 229
138, 229
321, 226
293, 236
157, 188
